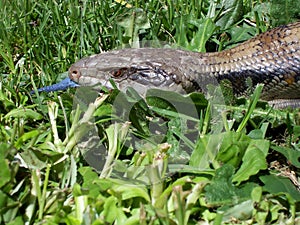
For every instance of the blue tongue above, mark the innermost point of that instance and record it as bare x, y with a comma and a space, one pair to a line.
63, 85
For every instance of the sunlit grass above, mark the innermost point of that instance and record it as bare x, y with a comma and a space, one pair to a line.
150, 168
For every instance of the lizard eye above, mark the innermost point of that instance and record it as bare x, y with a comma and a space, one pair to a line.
118, 72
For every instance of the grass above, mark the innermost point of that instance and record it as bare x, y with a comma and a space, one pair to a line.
72, 158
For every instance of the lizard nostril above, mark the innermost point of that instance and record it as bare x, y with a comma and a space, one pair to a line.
74, 74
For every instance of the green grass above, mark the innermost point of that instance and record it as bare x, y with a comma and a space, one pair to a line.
237, 164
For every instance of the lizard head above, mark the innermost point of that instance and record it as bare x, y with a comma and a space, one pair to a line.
131, 68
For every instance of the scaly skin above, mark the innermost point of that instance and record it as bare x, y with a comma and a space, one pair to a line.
271, 58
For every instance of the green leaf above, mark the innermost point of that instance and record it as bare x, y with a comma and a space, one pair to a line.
233, 148
7, 103
254, 99
26, 136
71, 220
241, 211
284, 11
24, 113
205, 151
239, 34
132, 191
259, 133
181, 31
92, 183
206, 28
134, 22
166, 102
4, 171
37, 159
254, 160
17, 221
135, 218
232, 12
222, 191
277, 185
111, 212
9, 208
104, 110
226, 147
291, 155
